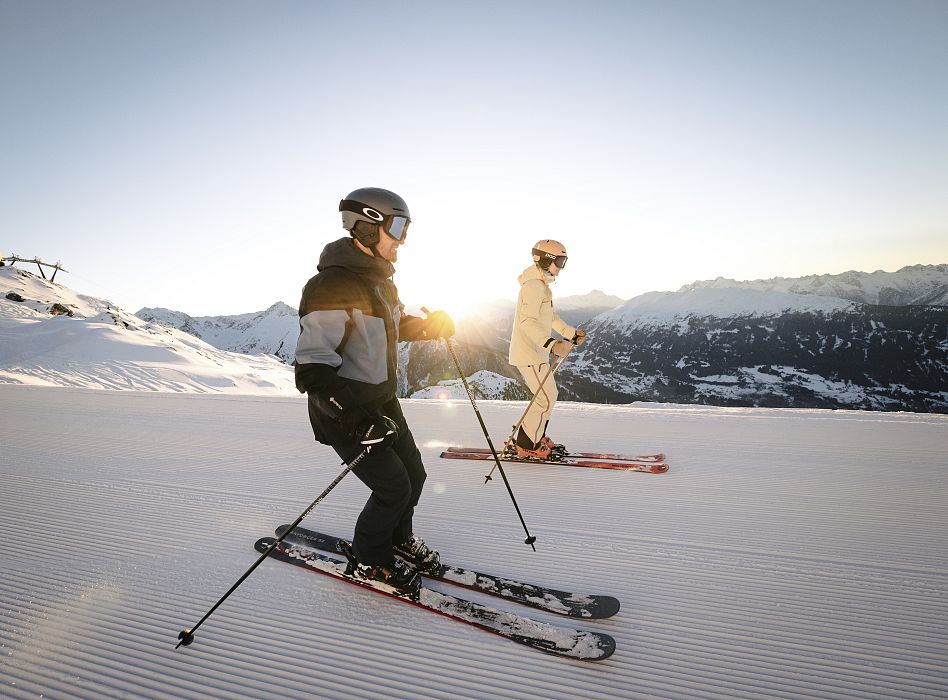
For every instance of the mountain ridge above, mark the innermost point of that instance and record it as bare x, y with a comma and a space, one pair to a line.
755, 343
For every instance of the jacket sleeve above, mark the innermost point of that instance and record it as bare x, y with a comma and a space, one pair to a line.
325, 313
531, 298
563, 328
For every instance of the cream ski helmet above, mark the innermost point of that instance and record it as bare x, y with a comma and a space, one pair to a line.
549, 251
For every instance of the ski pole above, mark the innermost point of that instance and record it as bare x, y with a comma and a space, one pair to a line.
186, 636
550, 370
470, 394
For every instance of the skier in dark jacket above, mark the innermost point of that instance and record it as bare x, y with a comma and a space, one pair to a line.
351, 320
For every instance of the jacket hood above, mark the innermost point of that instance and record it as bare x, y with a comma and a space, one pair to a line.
344, 253
535, 273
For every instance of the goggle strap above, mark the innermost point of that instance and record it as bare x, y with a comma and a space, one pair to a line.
547, 258
357, 207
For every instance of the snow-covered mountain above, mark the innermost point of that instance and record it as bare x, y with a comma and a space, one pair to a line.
914, 284
484, 385
763, 342
593, 300
49, 335
580, 308
670, 308
757, 344
272, 332
858, 340
766, 342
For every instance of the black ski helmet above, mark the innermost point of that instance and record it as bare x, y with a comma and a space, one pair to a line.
367, 207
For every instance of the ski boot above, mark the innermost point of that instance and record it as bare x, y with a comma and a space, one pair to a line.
418, 555
524, 448
540, 453
557, 451
404, 580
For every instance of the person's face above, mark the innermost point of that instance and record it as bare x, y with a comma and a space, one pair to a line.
388, 246
554, 270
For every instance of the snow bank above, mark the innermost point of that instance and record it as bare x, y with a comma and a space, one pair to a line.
51, 336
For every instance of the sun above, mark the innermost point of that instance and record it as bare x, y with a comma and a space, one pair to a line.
461, 306
461, 291
458, 302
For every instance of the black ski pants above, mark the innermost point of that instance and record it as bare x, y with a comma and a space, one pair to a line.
396, 476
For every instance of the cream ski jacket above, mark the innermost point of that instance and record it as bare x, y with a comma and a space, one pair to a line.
534, 319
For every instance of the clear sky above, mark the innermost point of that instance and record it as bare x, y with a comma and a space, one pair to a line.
192, 155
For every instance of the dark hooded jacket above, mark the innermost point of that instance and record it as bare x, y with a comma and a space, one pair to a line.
350, 323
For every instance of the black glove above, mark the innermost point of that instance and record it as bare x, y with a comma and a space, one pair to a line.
439, 325
376, 431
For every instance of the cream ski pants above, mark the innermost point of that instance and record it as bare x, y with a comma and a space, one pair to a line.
534, 423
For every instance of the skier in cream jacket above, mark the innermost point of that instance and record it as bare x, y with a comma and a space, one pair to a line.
531, 344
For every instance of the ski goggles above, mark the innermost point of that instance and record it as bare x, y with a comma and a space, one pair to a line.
395, 225
547, 258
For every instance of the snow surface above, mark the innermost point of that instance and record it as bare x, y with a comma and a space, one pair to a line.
103, 347
788, 553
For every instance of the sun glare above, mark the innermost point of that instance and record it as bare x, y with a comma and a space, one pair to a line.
460, 307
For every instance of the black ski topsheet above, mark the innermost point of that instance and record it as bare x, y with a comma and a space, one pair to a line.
590, 607
570, 643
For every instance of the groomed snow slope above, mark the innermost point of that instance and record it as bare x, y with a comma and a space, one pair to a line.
788, 553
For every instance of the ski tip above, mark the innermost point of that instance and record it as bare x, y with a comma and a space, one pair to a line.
607, 646
605, 606
659, 468
594, 646
263, 544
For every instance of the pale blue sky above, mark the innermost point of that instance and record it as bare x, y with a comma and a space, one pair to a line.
192, 154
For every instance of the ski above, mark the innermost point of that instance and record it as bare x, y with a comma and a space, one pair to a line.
559, 602
648, 467
660, 457
576, 644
